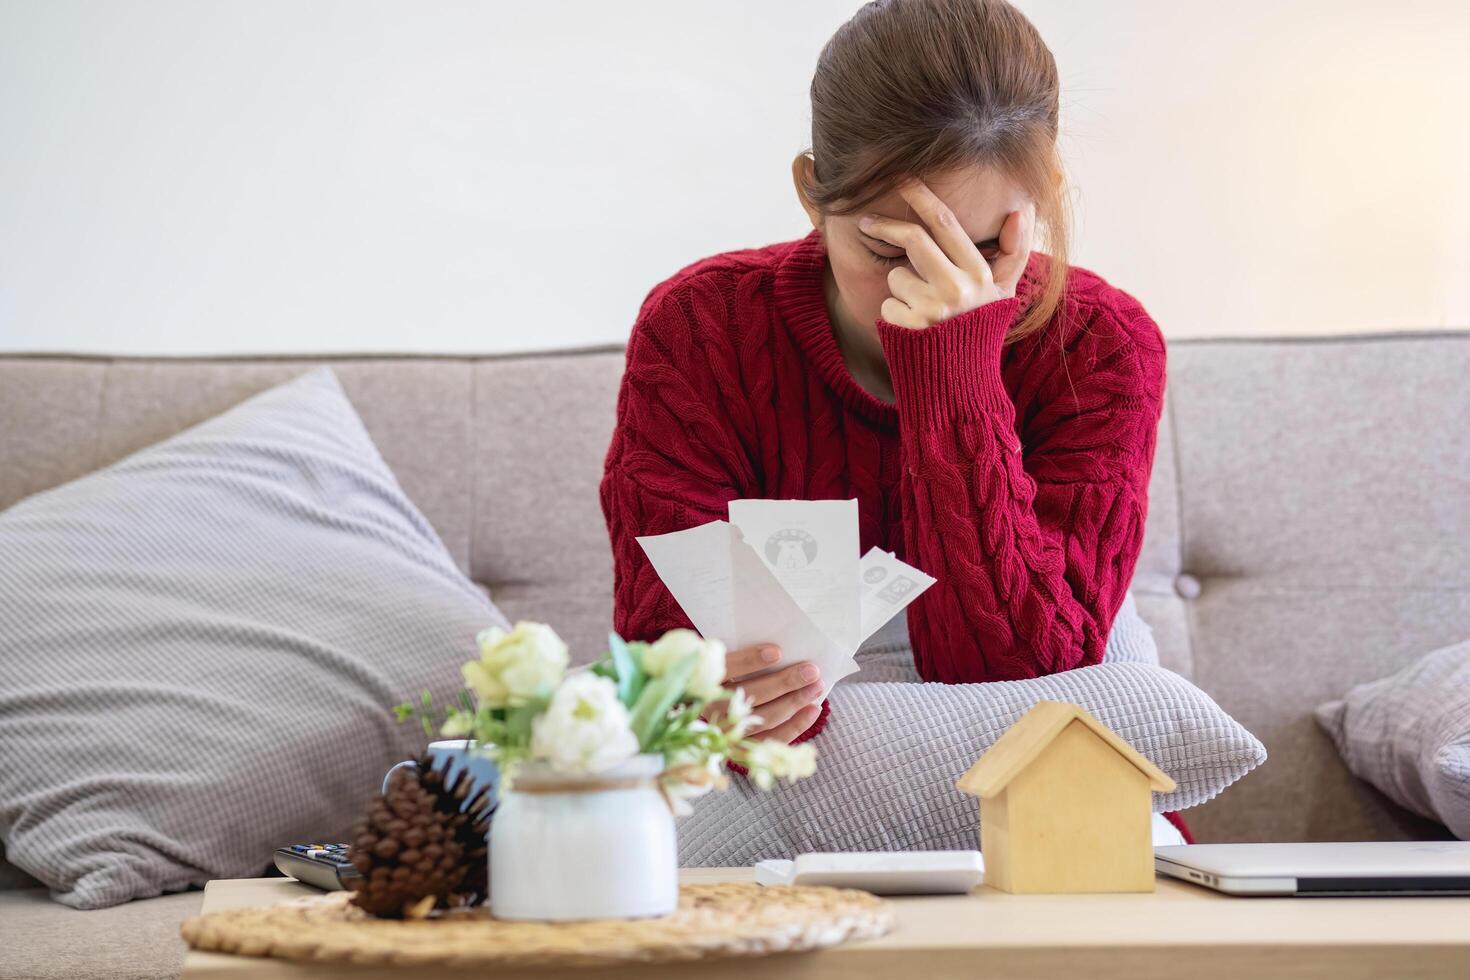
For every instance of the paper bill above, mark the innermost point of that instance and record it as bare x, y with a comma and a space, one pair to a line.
810, 546
785, 572
886, 585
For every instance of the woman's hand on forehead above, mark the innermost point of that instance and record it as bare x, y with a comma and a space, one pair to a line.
950, 275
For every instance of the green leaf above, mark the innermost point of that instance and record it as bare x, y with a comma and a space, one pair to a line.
678, 723
658, 697
635, 690
627, 669
636, 649
489, 730
675, 729
518, 722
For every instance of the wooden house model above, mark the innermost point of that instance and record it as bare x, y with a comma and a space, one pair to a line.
1065, 806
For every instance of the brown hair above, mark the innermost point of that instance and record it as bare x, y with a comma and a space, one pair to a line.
918, 88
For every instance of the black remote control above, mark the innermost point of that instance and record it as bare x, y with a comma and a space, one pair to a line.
323, 865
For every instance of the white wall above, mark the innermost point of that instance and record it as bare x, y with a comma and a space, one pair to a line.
279, 175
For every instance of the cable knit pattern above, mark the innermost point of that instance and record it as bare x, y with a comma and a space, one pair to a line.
1017, 475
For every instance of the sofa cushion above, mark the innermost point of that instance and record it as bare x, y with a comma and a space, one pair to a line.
136, 941
202, 644
1409, 735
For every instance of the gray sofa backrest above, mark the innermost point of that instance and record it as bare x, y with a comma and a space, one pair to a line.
1308, 529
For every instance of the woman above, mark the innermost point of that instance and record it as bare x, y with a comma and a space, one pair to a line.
992, 409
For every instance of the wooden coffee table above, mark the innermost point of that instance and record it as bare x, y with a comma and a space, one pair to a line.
1179, 932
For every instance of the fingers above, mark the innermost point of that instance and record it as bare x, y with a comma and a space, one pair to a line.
1015, 248
800, 682
896, 311
928, 259
906, 287
750, 660
781, 710
945, 229
799, 722
787, 681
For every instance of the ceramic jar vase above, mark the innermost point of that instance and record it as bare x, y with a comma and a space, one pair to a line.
571, 846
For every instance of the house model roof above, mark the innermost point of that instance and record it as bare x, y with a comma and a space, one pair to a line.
1034, 731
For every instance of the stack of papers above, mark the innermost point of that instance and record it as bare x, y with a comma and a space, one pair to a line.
785, 572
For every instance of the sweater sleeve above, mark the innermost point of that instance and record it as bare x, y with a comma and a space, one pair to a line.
1033, 547
676, 458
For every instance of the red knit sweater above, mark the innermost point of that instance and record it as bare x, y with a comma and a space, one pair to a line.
1017, 476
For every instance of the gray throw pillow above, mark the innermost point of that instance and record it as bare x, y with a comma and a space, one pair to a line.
888, 760
201, 645
1130, 638
1409, 735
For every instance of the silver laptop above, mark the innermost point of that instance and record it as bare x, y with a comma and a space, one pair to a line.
1360, 868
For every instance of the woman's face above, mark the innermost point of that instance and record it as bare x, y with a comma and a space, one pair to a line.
859, 264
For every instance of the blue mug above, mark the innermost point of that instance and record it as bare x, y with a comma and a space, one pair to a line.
450, 757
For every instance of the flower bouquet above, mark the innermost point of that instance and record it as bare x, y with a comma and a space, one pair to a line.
565, 842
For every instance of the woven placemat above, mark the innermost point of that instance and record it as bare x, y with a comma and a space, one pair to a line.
712, 920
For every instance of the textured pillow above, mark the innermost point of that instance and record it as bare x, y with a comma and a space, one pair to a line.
201, 644
887, 764
1409, 735
1131, 638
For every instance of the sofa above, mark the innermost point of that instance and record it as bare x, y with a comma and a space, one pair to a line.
1308, 530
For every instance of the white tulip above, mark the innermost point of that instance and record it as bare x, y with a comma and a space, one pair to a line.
518, 667
673, 646
739, 715
585, 728
771, 759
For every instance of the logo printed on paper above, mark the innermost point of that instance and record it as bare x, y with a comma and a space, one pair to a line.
894, 591
791, 548
875, 575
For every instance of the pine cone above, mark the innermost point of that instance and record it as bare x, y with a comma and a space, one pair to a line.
470, 823
415, 849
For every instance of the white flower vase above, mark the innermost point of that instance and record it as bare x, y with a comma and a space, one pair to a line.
595, 846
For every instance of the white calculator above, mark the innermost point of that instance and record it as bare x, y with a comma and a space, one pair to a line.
879, 872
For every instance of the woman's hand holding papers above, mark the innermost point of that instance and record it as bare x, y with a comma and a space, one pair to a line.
787, 700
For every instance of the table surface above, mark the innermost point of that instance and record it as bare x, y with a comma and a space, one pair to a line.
1180, 930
